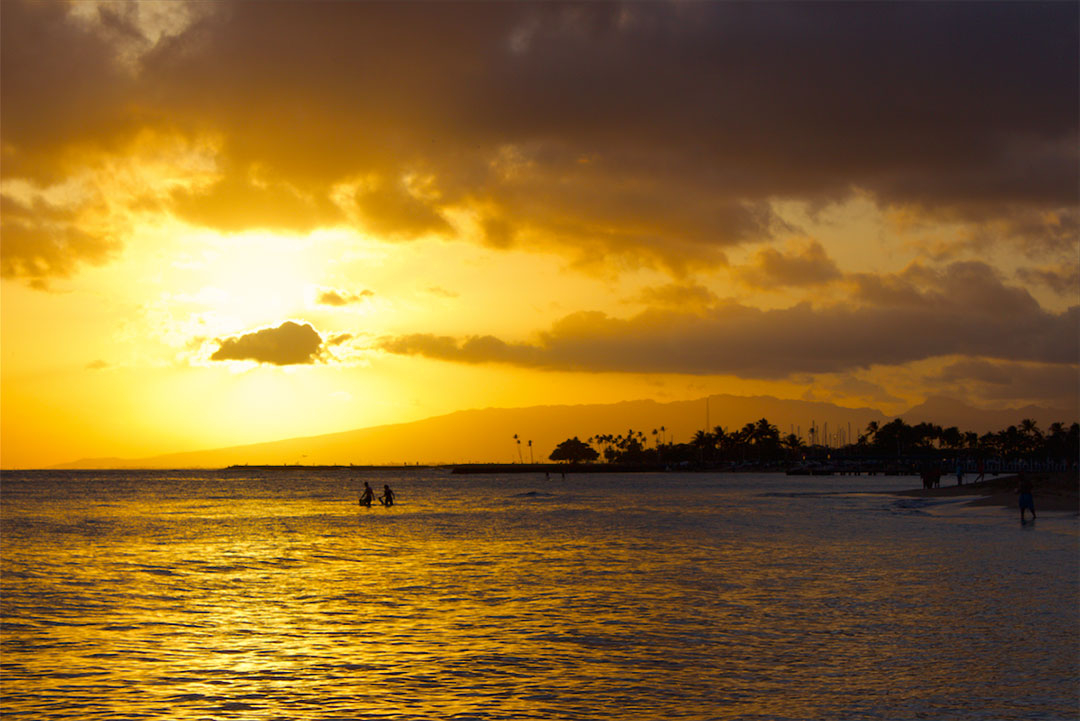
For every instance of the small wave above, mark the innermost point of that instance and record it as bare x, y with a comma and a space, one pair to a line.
174, 680
236, 706
919, 506
229, 568
167, 624
533, 494
914, 503
156, 571
802, 494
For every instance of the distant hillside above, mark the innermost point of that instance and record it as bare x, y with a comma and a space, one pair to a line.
947, 412
486, 435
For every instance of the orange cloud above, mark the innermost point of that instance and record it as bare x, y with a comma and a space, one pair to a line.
45, 241
674, 295
342, 298
802, 264
239, 202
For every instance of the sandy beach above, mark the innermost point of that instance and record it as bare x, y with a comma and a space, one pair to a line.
1053, 491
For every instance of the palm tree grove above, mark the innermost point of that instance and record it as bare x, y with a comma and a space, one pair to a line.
890, 446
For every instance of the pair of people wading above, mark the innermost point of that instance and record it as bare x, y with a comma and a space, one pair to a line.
367, 495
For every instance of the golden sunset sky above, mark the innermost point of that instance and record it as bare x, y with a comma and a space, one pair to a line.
226, 223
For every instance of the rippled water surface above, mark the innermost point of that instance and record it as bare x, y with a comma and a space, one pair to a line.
271, 595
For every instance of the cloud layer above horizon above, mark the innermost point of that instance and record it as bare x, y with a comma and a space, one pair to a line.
963, 311
538, 124
773, 192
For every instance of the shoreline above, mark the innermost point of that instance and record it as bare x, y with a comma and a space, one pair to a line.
1054, 491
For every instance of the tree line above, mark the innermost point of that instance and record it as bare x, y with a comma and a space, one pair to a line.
762, 442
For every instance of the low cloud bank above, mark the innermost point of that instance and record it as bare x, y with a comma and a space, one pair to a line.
963, 310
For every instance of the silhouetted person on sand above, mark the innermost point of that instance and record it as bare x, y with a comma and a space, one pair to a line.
366, 496
1027, 498
387, 497
931, 476
982, 471
959, 472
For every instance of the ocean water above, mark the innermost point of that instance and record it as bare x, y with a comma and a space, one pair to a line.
272, 595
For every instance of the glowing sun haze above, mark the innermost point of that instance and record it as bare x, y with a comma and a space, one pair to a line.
226, 223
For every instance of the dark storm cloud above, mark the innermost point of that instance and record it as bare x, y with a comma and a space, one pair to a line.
1063, 280
965, 311
968, 286
805, 265
60, 90
288, 344
654, 131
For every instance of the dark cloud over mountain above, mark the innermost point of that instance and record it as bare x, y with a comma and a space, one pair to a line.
1013, 381
963, 310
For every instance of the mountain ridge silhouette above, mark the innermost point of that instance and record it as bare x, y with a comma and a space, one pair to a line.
486, 435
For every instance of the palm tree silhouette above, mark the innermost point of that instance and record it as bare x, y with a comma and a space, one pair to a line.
871, 431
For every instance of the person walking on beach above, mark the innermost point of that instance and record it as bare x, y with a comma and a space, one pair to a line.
959, 471
366, 496
1027, 497
387, 497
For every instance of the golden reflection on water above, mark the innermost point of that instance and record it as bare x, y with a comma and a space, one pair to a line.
271, 598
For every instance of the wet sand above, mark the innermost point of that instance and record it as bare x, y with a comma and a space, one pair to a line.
1052, 491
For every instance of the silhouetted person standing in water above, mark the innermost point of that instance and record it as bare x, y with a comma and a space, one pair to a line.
387, 497
1027, 497
366, 496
